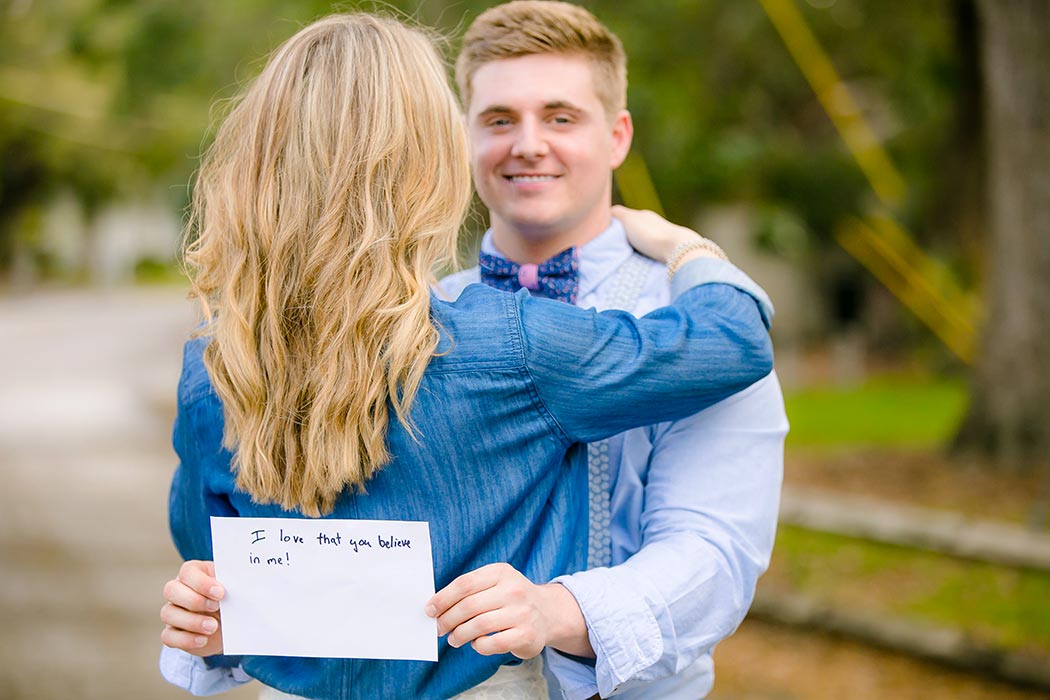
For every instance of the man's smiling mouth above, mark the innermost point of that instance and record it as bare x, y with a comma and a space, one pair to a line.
530, 178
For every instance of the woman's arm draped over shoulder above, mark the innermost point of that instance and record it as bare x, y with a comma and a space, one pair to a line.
598, 374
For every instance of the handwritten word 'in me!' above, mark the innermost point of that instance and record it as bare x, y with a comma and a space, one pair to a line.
286, 560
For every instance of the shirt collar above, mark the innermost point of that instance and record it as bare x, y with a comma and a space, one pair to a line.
599, 258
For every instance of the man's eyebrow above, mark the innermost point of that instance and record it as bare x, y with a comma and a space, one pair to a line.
548, 106
495, 109
562, 104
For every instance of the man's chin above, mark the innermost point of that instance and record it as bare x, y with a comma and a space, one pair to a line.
537, 228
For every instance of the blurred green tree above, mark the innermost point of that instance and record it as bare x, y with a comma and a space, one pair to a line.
722, 112
111, 98
108, 98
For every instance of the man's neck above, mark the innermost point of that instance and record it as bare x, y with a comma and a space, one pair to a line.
536, 246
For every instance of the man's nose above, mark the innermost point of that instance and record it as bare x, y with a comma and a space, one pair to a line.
530, 142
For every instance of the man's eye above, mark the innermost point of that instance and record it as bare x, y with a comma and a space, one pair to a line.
561, 119
502, 121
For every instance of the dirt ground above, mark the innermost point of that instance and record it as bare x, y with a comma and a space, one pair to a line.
768, 662
85, 414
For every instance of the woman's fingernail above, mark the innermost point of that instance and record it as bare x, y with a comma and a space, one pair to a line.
211, 605
210, 625
200, 641
430, 610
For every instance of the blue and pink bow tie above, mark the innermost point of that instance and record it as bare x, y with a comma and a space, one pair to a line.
557, 278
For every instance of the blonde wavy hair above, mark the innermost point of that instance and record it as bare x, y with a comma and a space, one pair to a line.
335, 185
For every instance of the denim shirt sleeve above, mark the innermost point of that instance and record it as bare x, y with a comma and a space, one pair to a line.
598, 374
197, 492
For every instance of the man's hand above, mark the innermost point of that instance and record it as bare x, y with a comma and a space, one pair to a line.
497, 610
191, 613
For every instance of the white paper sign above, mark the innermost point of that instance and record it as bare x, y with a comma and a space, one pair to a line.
325, 588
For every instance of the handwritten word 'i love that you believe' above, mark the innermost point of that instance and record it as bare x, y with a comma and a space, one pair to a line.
325, 539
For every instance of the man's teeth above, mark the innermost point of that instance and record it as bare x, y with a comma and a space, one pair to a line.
531, 178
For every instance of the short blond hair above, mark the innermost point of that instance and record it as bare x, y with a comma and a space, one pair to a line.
338, 181
529, 27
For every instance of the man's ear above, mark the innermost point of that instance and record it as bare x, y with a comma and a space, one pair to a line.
622, 133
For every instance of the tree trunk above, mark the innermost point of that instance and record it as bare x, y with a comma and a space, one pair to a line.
958, 213
1009, 414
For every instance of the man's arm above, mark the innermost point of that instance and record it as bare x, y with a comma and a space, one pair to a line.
708, 526
749, 435
711, 494
712, 497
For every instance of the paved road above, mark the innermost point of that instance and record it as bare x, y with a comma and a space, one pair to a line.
86, 400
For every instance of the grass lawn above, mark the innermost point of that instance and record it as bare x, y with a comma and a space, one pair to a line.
999, 605
913, 412
904, 422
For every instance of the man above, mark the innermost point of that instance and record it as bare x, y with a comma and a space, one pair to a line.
683, 514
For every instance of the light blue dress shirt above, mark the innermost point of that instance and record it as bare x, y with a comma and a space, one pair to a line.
694, 508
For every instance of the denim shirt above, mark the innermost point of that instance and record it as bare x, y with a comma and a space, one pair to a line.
499, 470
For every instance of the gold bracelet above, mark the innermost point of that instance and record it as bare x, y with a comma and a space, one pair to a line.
701, 243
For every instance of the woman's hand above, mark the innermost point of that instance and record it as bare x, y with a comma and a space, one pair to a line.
191, 613
497, 610
655, 237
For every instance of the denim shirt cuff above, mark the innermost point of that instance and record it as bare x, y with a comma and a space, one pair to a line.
622, 629
713, 270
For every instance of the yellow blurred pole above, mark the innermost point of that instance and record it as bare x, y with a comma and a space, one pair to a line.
960, 308
916, 291
837, 101
879, 243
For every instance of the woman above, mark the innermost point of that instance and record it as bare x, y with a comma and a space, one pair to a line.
335, 185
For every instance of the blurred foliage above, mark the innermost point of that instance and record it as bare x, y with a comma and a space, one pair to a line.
109, 97
150, 270
906, 412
